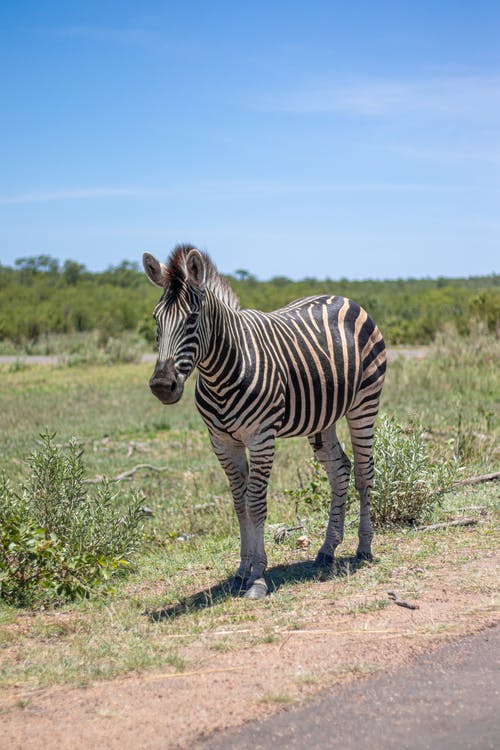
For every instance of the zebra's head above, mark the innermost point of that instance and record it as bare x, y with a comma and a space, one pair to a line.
177, 314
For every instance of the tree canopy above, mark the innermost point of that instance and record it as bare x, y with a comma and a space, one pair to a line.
40, 296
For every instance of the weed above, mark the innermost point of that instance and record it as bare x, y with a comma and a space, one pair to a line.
223, 646
407, 484
57, 540
17, 366
366, 606
282, 699
307, 678
177, 662
268, 638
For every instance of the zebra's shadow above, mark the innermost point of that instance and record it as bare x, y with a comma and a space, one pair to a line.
276, 577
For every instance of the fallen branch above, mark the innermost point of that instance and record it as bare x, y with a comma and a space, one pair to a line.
204, 506
126, 474
481, 508
135, 446
495, 476
400, 602
445, 524
280, 532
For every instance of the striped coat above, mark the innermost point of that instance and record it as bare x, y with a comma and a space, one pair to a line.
295, 371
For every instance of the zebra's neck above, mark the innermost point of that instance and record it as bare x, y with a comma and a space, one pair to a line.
222, 364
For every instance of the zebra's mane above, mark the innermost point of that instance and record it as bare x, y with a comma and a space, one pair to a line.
177, 272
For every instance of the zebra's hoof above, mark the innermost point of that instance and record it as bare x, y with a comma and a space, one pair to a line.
364, 556
257, 590
323, 560
238, 585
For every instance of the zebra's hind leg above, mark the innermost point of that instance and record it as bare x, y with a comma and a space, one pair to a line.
328, 452
361, 427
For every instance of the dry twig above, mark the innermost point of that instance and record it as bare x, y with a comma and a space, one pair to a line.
400, 602
494, 477
126, 474
445, 524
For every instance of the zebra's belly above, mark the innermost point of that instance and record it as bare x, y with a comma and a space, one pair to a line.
305, 429
315, 404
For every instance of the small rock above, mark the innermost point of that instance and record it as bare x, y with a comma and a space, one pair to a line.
302, 542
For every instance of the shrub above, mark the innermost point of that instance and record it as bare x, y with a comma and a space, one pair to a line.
58, 540
407, 485
312, 497
99, 349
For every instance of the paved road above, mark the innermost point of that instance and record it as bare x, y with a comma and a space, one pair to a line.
449, 700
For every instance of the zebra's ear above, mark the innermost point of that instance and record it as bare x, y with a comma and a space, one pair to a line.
195, 266
155, 271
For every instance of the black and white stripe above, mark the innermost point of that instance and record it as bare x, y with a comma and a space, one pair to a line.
295, 371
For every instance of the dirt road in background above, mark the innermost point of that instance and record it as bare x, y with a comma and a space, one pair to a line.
47, 359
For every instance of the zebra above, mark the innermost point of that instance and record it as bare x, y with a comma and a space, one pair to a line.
261, 376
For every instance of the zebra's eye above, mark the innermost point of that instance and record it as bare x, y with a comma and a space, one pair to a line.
191, 319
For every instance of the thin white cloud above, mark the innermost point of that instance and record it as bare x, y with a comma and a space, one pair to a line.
227, 188
446, 153
472, 96
69, 194
217, 189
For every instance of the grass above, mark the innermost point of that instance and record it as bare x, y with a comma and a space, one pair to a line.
80, 348
107, 637
280, 699
191, 544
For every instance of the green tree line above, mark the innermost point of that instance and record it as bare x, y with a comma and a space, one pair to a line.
39, 296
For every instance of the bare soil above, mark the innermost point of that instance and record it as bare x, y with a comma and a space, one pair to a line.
340, 640
447, 699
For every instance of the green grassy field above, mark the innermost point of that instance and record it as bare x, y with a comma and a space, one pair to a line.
191, 540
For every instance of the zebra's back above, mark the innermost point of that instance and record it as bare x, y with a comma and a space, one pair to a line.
333, 354
294, 371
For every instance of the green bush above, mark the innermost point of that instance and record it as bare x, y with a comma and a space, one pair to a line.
71, 299
407, 485
312, 497
58, 540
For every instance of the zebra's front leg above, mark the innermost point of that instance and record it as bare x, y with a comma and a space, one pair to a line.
261, 462
362, 435
329, 453
233, 459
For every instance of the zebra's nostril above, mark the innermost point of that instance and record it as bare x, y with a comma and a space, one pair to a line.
173, 386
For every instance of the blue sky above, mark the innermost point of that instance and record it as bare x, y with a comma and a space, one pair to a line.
325, 139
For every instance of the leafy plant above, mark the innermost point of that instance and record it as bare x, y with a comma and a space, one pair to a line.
58, 541
314, 494
71, 299
407, 485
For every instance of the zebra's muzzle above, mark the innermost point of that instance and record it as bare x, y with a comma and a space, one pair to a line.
165, 383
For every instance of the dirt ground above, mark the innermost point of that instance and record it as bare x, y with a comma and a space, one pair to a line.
345, 640
447, 699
